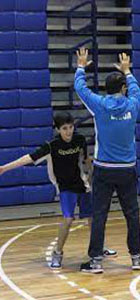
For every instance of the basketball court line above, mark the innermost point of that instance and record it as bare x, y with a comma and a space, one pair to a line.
62, 276
12, 285
53, 224
21, 292
133, 287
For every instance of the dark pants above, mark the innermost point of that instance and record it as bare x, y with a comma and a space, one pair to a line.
105, 181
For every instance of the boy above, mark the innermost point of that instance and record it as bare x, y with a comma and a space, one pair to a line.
64, 155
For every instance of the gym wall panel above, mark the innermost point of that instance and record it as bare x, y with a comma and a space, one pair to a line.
41, 117
25, 99
9, 99
31, 5
30, 21
31, 40
32, 59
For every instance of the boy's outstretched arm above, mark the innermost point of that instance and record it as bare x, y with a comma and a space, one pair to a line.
24, 160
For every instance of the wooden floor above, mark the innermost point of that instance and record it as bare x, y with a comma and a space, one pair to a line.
26, 244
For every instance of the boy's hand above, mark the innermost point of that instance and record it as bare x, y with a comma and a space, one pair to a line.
2, 170
124, 65
82, 55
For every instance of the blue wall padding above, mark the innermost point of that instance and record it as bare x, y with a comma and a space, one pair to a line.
7, 40
11, 196
40, 117
10, 118
8, 79
136, 40
10, 138
30, 21
136, 6
38, 193
7, 21
138, 186
35, 98
9, 154
35, 136
136, 59
31, 5
35, 175
7, 5
136, 22
7, 60
138, 167
32, 40
138, 132
9, 98
138, 117
138, 149
136, 73
32, 59
13, 177
33, 79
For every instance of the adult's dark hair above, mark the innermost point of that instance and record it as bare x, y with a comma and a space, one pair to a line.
63, 118
114, 82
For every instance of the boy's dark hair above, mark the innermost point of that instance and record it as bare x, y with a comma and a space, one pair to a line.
63, 118
114, 82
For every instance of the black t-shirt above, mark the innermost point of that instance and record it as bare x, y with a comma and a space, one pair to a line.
67, 160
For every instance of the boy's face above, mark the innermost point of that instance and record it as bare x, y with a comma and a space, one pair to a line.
66, 132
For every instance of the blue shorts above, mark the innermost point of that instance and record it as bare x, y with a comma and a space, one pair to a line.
69, 200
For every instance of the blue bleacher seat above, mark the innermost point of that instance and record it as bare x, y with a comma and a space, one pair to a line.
35, 175
136, 6
7, 5
12, 178
10, 138
35, 98
8, 79
33, 79
136, 59
36, 118
9, 154
9, 98
7, 21
31, 5
32, 59
7, 40
10, 118
32, 40
7, 60
136, 73
136, 40
35, 136
30, 21
38, 193
11, 196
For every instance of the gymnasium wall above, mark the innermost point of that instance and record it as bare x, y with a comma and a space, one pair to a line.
26, 118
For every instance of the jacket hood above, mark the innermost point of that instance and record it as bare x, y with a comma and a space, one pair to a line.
115, 105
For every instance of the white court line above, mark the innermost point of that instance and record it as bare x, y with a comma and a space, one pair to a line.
63, 277
4, 277
133, 288
52, 224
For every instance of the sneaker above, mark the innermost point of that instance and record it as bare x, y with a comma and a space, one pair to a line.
135, 262
92, 266
109, 253
56, 260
